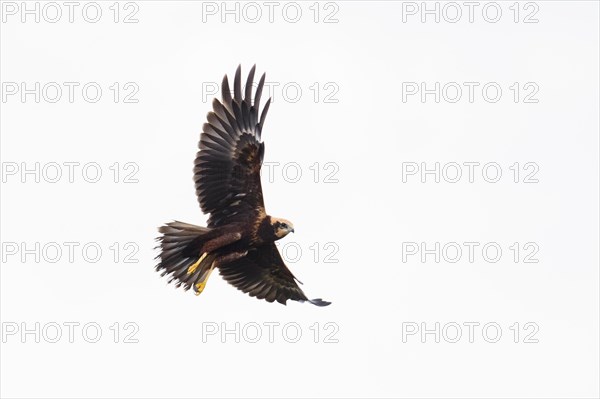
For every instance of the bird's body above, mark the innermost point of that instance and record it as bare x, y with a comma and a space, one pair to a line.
240, 237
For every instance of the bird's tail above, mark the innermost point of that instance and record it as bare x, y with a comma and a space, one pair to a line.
180, 256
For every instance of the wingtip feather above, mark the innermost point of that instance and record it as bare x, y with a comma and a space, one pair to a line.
249, 81
319, 302
237, 84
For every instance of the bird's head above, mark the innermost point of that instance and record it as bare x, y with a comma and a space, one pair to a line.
281, 227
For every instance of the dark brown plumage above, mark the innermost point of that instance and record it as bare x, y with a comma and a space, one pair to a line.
240, 237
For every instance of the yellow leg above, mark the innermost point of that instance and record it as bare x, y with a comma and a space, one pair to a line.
193, 267
201, 284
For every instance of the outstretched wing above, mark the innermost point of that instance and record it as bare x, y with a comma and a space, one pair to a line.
263, 274
227, 167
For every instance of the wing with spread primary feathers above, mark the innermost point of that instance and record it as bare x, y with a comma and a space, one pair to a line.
263, 274
227, 167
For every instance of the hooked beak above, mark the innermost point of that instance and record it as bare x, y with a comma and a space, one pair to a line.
292, 230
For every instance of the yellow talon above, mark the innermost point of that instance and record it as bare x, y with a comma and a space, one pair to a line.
200, 285
193, 267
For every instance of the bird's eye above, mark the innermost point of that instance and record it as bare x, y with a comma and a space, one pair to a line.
283, 225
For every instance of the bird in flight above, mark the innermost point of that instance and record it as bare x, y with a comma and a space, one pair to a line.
240, 237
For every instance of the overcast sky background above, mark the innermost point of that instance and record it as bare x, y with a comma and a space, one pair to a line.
348, 137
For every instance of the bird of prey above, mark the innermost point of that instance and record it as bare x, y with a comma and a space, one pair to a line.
240, 237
